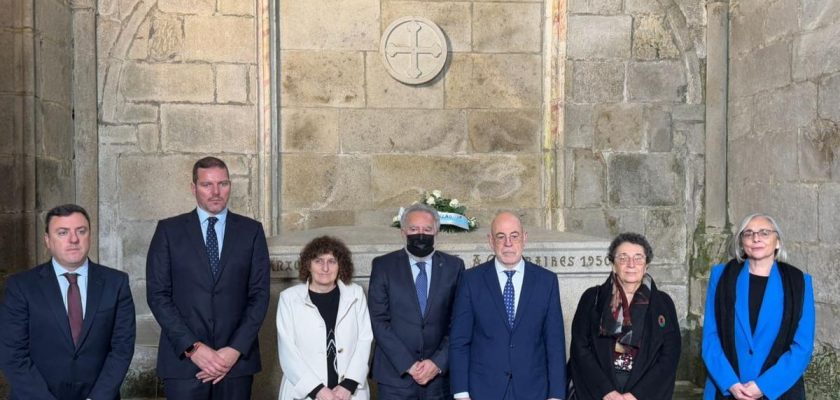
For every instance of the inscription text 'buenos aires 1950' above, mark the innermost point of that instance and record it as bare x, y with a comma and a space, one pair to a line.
554, 261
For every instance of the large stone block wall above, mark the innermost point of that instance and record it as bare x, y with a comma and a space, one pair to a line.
784, 141
609, 105
36, 129
634, 128
17, 138
356, 144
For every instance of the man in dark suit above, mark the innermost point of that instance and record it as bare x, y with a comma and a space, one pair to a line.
67, 325
410, 301
507, 339
207, 282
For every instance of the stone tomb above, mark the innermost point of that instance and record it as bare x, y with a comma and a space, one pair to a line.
579, 262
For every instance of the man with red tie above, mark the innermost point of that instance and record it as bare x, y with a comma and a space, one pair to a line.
68, 325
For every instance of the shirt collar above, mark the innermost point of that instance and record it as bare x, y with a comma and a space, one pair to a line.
500, 268
203, 215
60, 270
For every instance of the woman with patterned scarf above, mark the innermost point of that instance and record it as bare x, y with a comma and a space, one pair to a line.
625, 334
758, 332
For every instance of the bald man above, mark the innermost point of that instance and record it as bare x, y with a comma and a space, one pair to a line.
507, 340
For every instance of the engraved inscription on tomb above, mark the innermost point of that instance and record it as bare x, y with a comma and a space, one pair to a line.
413, 49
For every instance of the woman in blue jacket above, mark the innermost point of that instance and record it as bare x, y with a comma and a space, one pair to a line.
759, 323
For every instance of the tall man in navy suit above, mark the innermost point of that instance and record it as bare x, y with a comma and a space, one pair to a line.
507, 339
410, 300
207, 282
67, 325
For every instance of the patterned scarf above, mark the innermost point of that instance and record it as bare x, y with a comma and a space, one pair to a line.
617, 321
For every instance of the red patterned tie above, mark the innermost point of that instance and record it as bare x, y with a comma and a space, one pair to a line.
74, 306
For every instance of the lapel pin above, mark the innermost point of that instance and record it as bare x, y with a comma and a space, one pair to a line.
661, 321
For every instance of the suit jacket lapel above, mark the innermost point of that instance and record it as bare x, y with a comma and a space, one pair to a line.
529, 286
192, 228
345, 301
651, 342
492, 282
434, 287
742, 304
227, 242
770, 316
95, 286
52, 295
406, 276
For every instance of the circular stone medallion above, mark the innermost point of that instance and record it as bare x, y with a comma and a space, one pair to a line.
413, 49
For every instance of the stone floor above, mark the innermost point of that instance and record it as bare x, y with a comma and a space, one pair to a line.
684, 391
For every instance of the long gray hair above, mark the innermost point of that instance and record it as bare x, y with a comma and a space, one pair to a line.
737, 251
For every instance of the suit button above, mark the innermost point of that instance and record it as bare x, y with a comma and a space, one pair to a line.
340, 350
75, 357
512, 346
751, 352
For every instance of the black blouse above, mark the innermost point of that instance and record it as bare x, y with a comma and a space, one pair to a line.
757, 286
327, 304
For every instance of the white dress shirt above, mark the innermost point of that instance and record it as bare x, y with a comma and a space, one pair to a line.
64, 284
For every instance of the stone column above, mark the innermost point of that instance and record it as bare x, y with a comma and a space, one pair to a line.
717, 42
86, 143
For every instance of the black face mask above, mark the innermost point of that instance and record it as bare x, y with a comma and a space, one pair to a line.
420, 245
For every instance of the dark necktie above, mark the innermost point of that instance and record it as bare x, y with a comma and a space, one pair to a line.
420, 285
74, 306
510, 298
212, 246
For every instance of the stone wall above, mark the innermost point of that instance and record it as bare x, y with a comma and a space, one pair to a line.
356, 144
784, 140
36, 128
36, 135
595, 108
634, 127
17, 136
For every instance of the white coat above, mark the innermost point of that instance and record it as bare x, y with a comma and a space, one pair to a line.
302, 341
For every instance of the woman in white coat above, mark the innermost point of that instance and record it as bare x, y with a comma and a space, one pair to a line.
323, 328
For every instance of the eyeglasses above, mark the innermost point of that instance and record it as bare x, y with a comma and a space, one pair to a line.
514, 237
624, 259
761, 233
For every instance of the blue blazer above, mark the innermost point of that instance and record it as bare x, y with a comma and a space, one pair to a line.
403, 335
753, 349
38, 355
191, 306
486, 355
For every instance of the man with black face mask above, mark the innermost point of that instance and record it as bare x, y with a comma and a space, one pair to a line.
410, 300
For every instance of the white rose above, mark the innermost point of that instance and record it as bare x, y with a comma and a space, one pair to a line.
396, 218
430, 201
436, 193
453, 203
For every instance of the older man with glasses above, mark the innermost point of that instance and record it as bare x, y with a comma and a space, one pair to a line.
507, 339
